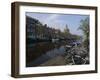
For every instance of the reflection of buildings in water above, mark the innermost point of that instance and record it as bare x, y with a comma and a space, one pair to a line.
47, 56
56, 52
37, 49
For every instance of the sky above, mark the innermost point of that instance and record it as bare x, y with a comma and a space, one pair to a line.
59, 21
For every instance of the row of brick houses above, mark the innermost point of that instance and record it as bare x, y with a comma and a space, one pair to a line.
36, 30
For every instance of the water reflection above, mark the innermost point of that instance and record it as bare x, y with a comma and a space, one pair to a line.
39, 53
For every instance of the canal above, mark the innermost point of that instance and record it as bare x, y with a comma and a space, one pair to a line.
41, 52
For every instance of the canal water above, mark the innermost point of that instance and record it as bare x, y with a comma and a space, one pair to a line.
39, 53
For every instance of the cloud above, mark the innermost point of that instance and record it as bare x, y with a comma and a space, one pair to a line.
51, 17
53, 21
